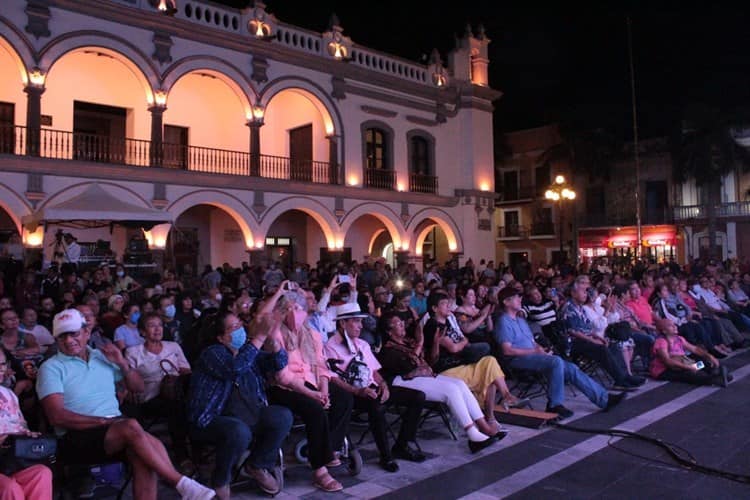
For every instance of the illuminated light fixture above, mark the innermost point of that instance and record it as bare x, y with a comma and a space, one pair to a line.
36, 77
33, 239
259, 244
559, 179
352, 180
452, 247
258, 114
437, 70
339, 244
262, 25
484, 186
400, 187
160, 98
167, 7
337, 45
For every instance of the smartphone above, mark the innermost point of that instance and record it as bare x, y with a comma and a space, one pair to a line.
344, 278
699, 365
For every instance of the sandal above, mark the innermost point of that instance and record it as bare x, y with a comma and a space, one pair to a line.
327, 483
336, 462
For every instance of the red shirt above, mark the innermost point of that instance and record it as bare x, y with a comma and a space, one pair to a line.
642, 310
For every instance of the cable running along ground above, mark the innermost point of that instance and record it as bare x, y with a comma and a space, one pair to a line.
679, 454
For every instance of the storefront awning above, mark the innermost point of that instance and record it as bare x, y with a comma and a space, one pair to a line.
96, 207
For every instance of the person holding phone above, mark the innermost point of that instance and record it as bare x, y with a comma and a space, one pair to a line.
669, 360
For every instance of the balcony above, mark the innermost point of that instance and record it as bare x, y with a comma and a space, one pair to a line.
543, 229
514, 231
379, 178
420, 183
511, 193
723, 210
606, 220
62, 145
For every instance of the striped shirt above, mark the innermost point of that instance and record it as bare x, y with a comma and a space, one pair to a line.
541, 314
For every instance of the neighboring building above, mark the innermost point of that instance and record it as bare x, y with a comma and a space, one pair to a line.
221, 132
527, 224
732, 218
606, 207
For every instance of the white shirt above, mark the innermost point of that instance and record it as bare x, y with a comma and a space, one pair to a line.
72, 253
147, 365
43, 337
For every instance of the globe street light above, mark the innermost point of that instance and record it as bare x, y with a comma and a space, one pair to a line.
560, 192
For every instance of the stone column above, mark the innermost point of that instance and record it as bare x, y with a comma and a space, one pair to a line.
156, 149
254, 147
33, 118
333, 159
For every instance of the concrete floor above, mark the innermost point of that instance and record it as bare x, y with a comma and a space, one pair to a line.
709, 423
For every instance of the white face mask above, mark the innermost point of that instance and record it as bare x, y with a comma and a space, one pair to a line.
218, 297
120, 274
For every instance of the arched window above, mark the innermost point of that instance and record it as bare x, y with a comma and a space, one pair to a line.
377, 155
376, 149
422, 176
419, 158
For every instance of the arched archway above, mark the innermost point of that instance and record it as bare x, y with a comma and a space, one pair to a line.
14, 207
137, 63
439, 229
374, 230
100, 94
315, 209
18, 49
210, 228
240, 213
14, 99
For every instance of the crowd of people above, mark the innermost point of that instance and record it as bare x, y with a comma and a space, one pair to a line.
233, 357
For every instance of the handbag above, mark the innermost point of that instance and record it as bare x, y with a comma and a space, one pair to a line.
619, 331
35, 449
172, 387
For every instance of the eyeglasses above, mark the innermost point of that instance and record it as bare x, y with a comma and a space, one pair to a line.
75, 334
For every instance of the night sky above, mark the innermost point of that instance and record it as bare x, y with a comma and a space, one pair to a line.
569, 62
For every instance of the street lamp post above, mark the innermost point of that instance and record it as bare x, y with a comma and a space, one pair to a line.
559, 192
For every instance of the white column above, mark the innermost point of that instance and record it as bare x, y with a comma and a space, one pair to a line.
731, 240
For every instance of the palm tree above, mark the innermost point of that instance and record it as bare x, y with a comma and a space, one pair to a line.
705, 150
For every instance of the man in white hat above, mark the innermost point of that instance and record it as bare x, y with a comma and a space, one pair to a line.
359, 374
76, 388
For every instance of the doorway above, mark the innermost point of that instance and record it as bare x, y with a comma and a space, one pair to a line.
300, 153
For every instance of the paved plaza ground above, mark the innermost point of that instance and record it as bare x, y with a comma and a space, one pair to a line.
709, 423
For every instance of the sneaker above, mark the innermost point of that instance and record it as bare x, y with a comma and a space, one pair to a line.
189, 489
406, 452
613, 400
265, 480
561, 411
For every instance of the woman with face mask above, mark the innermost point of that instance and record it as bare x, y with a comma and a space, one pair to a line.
303, 386
147, 359
228, 406
122, 282
127, 335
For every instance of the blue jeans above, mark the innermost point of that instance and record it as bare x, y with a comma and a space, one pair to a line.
232, 437
558, 373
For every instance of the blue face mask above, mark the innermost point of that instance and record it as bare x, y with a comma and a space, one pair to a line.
239, 337
135, 316
170, 311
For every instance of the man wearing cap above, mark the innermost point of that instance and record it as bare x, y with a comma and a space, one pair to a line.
359, 374
76, 388
516, 341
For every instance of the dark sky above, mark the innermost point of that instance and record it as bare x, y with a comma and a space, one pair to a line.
567, 62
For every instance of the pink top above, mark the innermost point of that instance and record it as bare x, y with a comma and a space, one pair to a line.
298, 368
336, 348
674, 348
642, 310
11, 418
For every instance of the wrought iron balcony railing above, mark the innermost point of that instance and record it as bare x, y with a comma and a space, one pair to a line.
63, 145
380, 178
420, 183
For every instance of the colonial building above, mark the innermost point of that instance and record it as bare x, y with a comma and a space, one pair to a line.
527, 224
216, 132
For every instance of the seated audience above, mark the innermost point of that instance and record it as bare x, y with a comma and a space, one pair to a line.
228, 405
359, 374
77, 391
670, 360
517, 343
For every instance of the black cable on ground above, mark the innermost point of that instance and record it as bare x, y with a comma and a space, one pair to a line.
679, 454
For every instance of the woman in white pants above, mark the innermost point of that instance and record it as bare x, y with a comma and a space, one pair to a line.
402, 362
